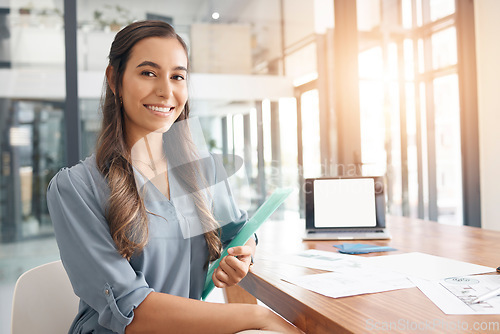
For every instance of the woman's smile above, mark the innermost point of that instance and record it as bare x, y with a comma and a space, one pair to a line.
160, 110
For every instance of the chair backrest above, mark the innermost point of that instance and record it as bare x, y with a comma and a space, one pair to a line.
44, 301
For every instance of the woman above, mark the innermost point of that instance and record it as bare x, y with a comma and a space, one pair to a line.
127, 244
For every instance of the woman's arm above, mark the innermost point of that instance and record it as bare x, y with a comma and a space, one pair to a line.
163, 313
100, 276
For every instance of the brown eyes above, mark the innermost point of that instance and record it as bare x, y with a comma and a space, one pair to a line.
148, 73
178, 77
151, 74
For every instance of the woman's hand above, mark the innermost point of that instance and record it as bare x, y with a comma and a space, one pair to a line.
233, 267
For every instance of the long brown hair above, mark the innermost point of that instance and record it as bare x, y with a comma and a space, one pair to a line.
126, 213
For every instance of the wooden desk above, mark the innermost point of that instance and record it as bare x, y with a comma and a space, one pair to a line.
406, 309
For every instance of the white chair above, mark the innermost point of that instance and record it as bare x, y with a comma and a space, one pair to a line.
44, 301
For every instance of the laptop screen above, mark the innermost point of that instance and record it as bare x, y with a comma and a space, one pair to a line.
354, 202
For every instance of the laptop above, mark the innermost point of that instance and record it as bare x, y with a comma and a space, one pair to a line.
345, 208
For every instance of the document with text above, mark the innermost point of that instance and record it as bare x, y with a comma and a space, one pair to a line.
455, 295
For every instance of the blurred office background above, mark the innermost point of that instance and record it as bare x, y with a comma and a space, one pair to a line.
402, 88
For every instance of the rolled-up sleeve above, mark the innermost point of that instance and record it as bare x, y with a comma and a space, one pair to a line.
100, 276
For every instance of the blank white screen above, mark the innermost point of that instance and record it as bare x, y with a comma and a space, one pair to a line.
344, 203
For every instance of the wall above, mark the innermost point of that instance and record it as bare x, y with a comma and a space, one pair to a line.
221, 48
487, 27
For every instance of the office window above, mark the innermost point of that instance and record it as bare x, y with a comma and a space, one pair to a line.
266, 127
406, 14
441, 8
448, 155
289, 171
368, 14
32, 131
90, 124
310, 134
444, 48
31, 115
373, 117
409, 105
373, 124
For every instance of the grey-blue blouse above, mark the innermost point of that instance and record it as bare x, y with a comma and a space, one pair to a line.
173, 261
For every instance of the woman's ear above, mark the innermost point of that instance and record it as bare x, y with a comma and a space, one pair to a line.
110, 77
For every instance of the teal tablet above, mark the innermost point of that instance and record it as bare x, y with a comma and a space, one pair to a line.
260, 216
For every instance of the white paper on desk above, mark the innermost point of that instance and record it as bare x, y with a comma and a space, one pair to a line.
350, 282
427, 266
453, 295
316, 259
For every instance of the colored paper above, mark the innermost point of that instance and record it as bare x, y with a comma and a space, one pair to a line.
362, 248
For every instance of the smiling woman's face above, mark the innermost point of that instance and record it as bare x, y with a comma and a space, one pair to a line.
154, 86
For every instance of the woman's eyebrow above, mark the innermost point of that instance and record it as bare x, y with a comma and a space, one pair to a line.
155, 65
180, 68
149, 63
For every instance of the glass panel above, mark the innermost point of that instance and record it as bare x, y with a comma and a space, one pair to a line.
393, 61
371, 64
373, 153
239, 181
237, 135
409, 59
253, 141
37, 27
5, 38
444, 48
32, 94
411, 131
266, 124
421, 64
31, 145
394, 167
425, 161
448, 150
310, 133
419, 12
253, 165
288, 132
368, 13
441, 8
90, 125
230, 134
406, 14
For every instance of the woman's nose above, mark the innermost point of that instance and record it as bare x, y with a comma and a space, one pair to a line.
164, 89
